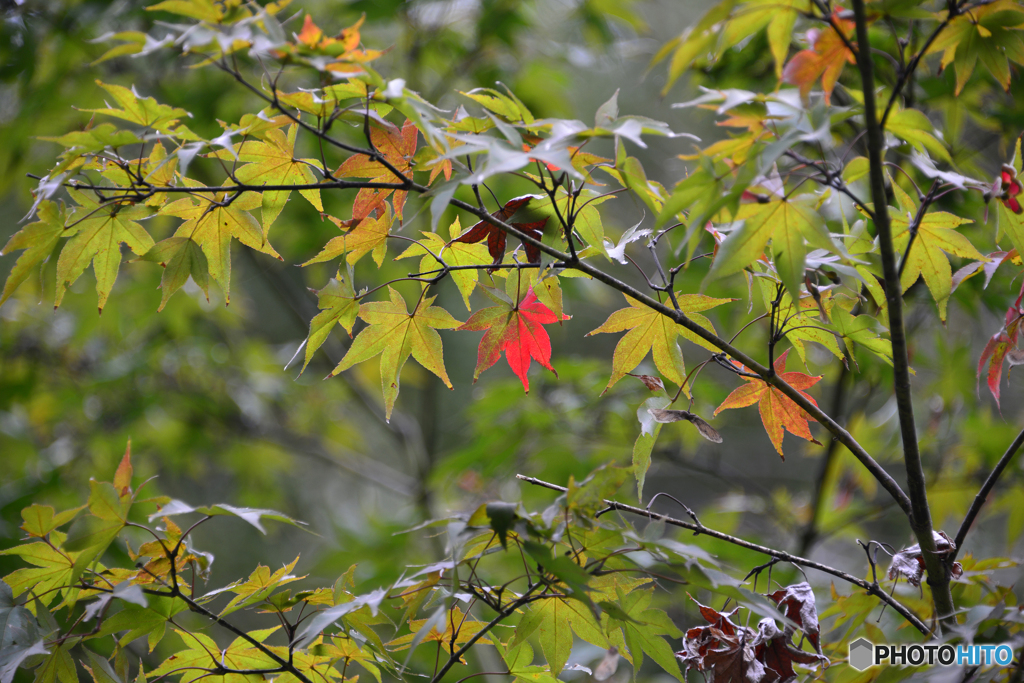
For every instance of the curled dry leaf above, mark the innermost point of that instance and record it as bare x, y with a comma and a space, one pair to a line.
728, 653
797, 601
909, 562
706, 430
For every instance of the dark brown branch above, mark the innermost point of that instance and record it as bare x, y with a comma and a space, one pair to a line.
920, 516
871, 588
982, 496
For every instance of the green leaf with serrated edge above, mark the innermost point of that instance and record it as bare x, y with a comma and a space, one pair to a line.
52, 570
395, 334
914, 127
135, 621
212, 222
58, 667
651, 332
181, 258
370, 235
100, 233
272, 162
41, 519
935, 234
788, 224
338, 306
453, 253
260, 584
146, 112
554, 620
38, 240
645, 632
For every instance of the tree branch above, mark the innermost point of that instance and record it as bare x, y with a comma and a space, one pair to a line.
920, 516
871, 588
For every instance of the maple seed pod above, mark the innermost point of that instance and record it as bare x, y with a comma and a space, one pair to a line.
706, 430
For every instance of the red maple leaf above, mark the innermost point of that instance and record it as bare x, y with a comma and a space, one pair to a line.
496, 237
1000, 345
518, 331
825, 59
778, 412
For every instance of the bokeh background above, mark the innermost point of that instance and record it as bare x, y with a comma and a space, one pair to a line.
201, 389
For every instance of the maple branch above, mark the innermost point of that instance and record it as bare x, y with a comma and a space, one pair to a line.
919, 514
843, 436
871, 588
982, 496
523, 599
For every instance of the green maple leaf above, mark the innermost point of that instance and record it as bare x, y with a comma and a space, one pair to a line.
645, 629
987, 34
99, 233
926, 259
149, 621
181, 257
260, 584
338, 306
38, 240
650, 331
143, 111
370, 235
394, 334
454, 254
52, 570
788, 224
273, 162
203, 654
554, 621
211, 221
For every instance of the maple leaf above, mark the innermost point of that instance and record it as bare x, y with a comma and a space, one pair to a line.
454, 253
518, 331
181, 258
798, 602
394, 334
772, 647
825, 59
654, 333
272, 162
398, 147
999, 347
338, 306
99, 233
496, 237
211, 220
909, 562
779, 413
988, 34
370, 235
145, 112
38, 240
788, 224
926, 259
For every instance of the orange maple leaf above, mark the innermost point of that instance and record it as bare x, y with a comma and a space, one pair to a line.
778, 412
825, 59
